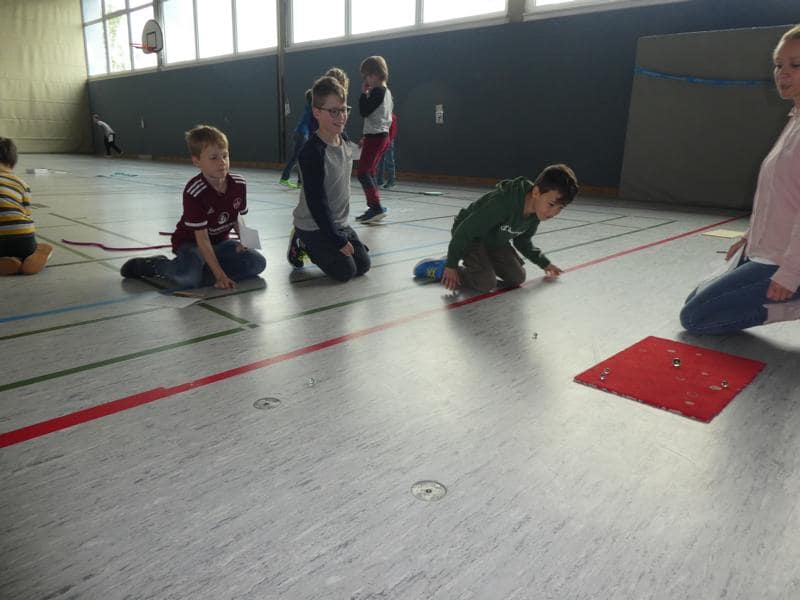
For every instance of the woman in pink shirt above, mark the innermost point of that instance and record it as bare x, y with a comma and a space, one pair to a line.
763, 288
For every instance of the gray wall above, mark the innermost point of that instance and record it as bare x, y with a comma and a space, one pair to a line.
516, 96
701, 142
238, 97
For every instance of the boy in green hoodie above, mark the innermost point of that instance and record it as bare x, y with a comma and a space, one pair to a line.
481, 232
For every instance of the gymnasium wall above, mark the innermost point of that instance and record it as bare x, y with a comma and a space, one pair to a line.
151, 111
516, 96
44, 104
699, 129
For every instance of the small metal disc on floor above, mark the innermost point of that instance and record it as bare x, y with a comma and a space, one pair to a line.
429, 491
266, 403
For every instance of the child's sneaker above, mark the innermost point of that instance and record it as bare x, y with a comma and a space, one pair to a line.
142, 267
430, 268
10, 265
288, 184
36, 261
389, 184
295, 254
372, 215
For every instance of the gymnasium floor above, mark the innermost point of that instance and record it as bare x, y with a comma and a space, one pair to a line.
136, 464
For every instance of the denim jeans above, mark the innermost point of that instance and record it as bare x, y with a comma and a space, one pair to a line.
333, 263
300, 140
732, 302
188, 268
386, 165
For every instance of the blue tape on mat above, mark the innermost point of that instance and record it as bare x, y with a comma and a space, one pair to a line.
702, 81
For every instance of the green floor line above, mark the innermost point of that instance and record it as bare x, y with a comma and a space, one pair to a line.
610, 237
86, 262
76, 324
160, 285
225, 314
118, 359
319, 309
95, 227
60, 245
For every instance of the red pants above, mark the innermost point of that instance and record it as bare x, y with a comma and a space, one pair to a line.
371, 151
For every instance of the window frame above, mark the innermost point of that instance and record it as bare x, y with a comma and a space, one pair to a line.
515, 10
533, 13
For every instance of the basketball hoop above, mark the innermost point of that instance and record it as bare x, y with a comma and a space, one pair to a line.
144, 48
152, 38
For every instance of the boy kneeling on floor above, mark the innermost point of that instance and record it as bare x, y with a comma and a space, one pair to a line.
481, 233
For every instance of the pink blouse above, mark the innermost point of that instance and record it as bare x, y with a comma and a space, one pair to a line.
774, 232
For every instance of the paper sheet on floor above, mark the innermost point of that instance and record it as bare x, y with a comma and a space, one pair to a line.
724, 233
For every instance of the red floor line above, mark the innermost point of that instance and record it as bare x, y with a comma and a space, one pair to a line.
42, 428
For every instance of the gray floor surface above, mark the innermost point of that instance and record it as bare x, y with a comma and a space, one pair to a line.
554, 490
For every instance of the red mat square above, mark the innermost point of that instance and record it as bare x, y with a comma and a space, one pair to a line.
699, 385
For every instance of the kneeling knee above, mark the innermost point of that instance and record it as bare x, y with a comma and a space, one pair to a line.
343, 274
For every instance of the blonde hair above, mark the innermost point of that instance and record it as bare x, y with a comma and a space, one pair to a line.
340, 76
789, 36
201, 136
792, 34
375, 65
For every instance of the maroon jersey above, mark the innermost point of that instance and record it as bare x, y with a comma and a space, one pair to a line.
205, 208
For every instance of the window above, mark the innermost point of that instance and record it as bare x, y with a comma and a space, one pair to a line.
313, 20
214, 27
377, 15
112, 6
119, 44
92, 10
138, 19
178, 16
445, 10
109, 29
256, 25
95, 49
310, 23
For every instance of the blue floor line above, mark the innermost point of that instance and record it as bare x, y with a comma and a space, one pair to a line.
56, 311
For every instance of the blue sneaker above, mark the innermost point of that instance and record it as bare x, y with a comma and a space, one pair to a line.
430, 268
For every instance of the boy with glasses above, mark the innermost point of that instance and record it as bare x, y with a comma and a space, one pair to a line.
320, 218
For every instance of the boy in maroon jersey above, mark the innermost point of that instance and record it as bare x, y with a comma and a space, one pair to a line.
212, 203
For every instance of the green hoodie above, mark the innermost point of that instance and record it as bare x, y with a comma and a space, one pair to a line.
497, 218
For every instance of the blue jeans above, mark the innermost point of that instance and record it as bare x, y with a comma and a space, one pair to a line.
387, 165
333, 263
300, 140
188, 268
732, 302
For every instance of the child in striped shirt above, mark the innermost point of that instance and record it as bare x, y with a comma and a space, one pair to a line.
19, 251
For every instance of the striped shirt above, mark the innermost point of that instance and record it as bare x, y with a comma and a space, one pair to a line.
15, 203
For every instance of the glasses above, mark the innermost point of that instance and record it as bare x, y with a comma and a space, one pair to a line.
335, 112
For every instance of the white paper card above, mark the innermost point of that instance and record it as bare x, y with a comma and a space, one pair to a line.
355, 150
248, 236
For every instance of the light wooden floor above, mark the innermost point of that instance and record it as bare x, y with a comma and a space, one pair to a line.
554, 490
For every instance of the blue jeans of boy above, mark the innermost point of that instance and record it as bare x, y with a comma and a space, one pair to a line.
300, 140
188, 268
386, 165
732, 302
